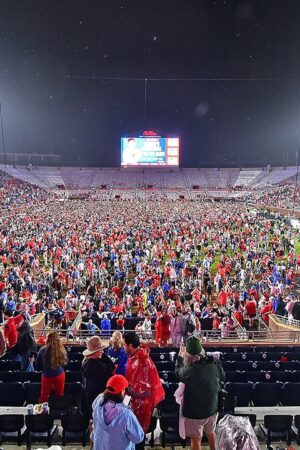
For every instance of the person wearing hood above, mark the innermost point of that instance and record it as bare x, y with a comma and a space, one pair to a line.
114, 424
144, 383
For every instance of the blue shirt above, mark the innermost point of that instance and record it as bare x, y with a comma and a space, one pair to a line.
120, 358
121, 433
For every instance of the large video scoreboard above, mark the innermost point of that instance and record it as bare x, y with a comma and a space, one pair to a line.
149, 151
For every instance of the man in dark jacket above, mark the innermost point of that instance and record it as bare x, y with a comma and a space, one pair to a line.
202, 376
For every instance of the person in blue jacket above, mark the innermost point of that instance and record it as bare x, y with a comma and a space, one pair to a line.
114, 424
117, 353
105, 326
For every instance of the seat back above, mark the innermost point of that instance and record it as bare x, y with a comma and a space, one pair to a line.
74, 423
11, 422
290, 394
39, 423
278, 423
12, 394
243, 392
32, 392
266, 394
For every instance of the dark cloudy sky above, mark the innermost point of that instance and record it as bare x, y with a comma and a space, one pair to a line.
223, 75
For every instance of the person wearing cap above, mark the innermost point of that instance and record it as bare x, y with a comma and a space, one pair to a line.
114, 424
96, 369
202, 376
144, 383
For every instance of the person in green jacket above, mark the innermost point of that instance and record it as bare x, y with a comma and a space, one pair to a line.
202, 376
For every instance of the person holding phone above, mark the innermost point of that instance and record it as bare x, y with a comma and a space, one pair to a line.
114, 424
144, 383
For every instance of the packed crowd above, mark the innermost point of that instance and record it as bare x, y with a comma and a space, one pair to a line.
169, 264
283, 196
176, 261
16, 193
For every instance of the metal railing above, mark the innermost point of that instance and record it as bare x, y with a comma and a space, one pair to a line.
207, 336
287, 321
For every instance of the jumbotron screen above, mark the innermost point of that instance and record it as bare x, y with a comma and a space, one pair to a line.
149, 151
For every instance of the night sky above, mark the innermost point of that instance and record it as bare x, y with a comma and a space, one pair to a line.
223, 75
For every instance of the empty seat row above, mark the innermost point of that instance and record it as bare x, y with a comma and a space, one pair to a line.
22, 376
254, 366
16, 393
271, 376
16, 427
260, 356
265, 394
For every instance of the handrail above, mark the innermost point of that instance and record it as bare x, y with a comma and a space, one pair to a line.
262, 326
207, 336
288, 321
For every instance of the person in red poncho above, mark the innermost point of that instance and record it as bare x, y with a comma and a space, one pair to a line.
144, 384
162, 329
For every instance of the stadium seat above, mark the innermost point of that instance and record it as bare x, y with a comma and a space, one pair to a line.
232, 357
40, 427
12, 394
277, 428
228, 366
274, 375
255, 377
290, 394
296, 428
74, 390
266, 394
73, 376
23, 377
9, 365
294, 376
12, 428
6, 376
245, 366
243, 392
74, 427
165, 366
237, 377
74, 365
169, 422
292, 356
32, 392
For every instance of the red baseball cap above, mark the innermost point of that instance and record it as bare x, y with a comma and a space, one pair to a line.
116, 384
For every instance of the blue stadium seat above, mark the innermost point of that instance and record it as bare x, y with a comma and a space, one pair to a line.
244, 366
274, 375
165, 366
74, 365
232, 357
294, 376
237, 377
32, 392
292, 356
12, 394
290, 394
243, 392
255, 377
9, 365
266, 394
228, 366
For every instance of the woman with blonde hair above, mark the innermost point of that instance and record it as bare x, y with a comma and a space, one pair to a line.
51, 360
117, 353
